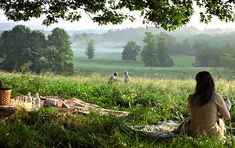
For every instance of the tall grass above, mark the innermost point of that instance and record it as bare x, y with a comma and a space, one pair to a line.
149, 100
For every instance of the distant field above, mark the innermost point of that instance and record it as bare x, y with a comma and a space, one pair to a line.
107, 63
183, 60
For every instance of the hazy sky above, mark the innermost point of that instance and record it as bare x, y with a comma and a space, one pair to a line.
86, 23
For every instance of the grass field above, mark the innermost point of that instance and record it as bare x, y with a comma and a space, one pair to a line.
153, 95
107, 63
149, 101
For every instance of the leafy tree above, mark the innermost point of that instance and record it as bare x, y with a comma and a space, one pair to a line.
130, 51
20, 46
149, 52
90, 50
23, 49
37, 48
156, 51
59, 53
168, 14
163, 52
14, 45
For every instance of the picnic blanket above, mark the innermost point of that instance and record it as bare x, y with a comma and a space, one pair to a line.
85, 108
162, 130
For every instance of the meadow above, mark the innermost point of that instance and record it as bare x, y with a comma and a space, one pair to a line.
153, 95
148, 99
105, 63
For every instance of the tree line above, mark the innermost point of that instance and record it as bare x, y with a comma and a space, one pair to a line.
179, 39
25, 49
157, 48
209, 56
155, 52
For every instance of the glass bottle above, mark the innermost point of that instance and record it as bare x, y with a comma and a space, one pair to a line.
37, 101
28, 102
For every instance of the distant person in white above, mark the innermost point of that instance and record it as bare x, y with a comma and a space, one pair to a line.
113, 77
126, 77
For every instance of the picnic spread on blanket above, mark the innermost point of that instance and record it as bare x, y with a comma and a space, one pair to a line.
29, 103
34, 103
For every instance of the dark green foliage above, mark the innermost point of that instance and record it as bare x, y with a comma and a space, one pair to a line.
59, 54
90, 50
25, 50
155, 52
130, 51
169, 15
20, 46
208, 56
149, 52
163, 56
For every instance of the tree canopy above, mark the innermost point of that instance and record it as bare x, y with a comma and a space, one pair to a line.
168, 14
130, 51
59, 52
22, 48
155, 51
149, 52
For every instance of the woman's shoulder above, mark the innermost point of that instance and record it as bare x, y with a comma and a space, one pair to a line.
218, 96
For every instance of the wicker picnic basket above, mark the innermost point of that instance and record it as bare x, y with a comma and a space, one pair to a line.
5, 95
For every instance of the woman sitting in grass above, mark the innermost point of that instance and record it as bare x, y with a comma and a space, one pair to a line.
207, 108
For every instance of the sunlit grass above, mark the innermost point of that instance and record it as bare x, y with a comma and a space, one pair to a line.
148, 99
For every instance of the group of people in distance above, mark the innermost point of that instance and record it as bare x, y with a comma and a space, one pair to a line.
113, 77
207, 109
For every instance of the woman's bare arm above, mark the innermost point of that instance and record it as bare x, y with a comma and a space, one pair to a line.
224, 112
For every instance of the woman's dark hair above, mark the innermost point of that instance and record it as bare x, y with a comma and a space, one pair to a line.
205, 88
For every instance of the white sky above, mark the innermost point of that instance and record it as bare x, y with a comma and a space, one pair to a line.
86, 23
